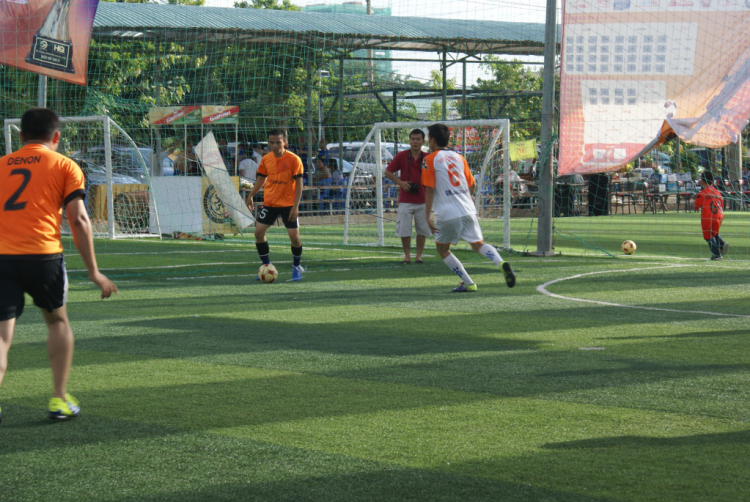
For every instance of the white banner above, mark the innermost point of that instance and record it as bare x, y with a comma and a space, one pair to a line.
208, 153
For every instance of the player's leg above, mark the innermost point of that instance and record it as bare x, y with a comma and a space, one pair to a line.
715, 249
60, 345
261, 244
423, 229
723, 245
473, 234
6, 337
403, 229
292, 228
448, 233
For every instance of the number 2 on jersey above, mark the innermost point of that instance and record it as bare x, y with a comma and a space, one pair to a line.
453, 175
11, 204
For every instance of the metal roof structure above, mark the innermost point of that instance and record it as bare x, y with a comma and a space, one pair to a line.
341, 32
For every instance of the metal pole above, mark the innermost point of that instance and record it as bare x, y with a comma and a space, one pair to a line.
395, 119
41, 101
309, 124
445, 83
341, 114
108, 167
379, 185
678, 161
463, 112
546, 186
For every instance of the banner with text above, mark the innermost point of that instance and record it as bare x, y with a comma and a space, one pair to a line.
49, 37
636, 72
175, 115
520, 150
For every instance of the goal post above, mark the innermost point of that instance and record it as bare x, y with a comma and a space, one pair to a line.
486, 148
117, 177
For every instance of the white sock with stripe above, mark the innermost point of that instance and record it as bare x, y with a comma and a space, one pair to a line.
491, 253
457, 268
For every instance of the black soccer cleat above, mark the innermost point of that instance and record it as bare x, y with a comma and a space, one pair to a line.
510, 276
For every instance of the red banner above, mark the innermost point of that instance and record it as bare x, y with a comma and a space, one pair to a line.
49, 37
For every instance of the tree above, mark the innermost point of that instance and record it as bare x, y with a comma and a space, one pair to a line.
266, 4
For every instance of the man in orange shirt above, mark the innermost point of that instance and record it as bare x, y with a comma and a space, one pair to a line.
711, 205
35, 183
280, 172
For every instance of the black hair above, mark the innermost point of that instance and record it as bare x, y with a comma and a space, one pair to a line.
39, 124
278, 132
707, 177
440, 133
416, 131
333, 164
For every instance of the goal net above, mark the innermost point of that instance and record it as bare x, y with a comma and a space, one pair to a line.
371, 199
116, 172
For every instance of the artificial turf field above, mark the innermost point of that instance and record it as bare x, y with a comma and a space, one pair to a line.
369, 380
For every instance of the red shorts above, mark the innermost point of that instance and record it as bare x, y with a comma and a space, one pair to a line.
710, 227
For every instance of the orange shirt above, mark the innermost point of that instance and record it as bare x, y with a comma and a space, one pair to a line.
281, 173
35, 184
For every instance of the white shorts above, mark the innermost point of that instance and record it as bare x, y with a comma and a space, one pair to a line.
465, 227
408, 211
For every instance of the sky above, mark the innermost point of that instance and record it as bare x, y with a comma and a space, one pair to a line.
520, 11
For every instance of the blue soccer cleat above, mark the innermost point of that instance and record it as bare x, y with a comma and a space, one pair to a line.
297, 273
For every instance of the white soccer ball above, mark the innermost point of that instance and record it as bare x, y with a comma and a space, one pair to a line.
628, 247
268, 273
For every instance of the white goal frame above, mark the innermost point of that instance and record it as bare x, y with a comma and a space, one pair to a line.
107, 124
503, 127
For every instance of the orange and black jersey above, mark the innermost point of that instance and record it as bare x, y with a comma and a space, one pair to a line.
35, 184
282, 174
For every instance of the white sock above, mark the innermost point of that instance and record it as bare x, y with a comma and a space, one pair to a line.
458, 269
491, 253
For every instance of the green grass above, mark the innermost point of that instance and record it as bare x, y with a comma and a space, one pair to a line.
371, 381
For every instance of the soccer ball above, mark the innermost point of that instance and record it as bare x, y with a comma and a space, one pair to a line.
268, 273
628, 247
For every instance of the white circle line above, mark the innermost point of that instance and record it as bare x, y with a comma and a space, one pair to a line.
542, 288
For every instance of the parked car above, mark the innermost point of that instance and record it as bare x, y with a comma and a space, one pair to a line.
94, 174
367, 161
125, 160
389, 145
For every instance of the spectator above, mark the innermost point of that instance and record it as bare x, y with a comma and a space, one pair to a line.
248, 168
322, 171
187, 163
411, 201
322, 151
336, 173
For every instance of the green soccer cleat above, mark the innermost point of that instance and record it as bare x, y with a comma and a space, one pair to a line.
465, 288
510, 276
63, 410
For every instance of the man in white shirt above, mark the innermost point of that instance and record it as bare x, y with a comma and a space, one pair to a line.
248, 168
449, 186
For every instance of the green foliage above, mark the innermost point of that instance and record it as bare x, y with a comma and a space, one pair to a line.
266, 4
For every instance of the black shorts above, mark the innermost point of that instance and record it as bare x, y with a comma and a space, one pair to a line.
269, 215
46, 281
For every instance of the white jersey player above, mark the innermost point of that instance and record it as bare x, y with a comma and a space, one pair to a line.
449, 186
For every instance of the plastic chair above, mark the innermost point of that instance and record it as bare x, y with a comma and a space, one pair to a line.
341, 194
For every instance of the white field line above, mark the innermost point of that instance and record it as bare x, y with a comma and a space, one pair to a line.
543, 289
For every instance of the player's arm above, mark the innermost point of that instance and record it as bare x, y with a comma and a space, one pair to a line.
294, 212
429, 196
260, 180
83, 236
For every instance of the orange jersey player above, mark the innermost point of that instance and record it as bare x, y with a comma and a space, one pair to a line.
710, 203
280, 172
36, 183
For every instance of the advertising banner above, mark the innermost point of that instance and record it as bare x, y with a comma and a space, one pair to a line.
220, 114
636, 72
174, 115
520, 150
49, 37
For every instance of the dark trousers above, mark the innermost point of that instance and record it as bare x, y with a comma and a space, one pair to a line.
715, 243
